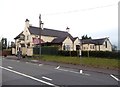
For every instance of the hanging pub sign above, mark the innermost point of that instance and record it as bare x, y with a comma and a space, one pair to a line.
37, 40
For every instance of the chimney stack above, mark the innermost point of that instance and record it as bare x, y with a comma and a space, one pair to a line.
27, 23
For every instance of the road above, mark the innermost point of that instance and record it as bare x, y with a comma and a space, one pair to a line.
16, 72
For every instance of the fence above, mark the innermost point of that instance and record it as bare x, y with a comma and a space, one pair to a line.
48, 50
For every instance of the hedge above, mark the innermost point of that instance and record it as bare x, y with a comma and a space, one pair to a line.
51, 50
98, 54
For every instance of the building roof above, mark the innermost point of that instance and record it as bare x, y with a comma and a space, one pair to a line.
18, 35
50, 32
94, 41
75, 38
47, 32
58, 40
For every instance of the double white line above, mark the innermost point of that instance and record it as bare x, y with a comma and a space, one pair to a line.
25, 75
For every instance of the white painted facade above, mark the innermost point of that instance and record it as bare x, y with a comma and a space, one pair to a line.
28, 39
76, 42
68, 44
102, 47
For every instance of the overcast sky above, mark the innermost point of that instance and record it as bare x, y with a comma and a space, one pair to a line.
96, 18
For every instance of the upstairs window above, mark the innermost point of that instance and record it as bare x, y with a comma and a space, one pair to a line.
67, 47
106, 44
27, 37
22, 37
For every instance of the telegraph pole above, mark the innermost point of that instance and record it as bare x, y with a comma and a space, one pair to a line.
40, 35
40, 26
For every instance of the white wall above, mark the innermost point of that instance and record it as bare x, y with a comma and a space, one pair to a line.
69, 42
48, 38
76, 42
98, 47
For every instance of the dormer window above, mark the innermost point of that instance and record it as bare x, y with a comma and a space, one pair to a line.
22, 37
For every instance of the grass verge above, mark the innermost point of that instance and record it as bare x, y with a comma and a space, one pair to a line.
84, 61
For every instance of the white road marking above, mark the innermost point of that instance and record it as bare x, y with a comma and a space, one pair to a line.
57, 67
73, 72
18, 61
40, 64
10, 67
63, 70
25, 75
46, 78
114, 77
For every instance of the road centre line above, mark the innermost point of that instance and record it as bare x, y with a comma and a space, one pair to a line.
114, 77
25, 75
46, 78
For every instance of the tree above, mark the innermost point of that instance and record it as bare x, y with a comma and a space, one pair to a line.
4, 43
114, 48
85, 37
13, 44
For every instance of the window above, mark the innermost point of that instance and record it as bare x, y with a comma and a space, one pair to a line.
91, 46
27, 37
67, 47
22, 37
106, 44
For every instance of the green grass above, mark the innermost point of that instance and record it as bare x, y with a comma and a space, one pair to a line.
84, 61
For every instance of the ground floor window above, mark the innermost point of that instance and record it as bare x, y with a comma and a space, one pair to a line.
67, 47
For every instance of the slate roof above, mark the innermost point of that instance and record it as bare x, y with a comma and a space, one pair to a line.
58, 40
18, 35
94, 41
61, 35
50, 32
75, 38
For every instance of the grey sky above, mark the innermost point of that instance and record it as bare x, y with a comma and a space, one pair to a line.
96, 18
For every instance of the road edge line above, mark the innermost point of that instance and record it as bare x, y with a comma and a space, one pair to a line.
25, 75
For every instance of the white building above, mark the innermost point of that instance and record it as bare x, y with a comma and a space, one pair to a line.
32, 36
